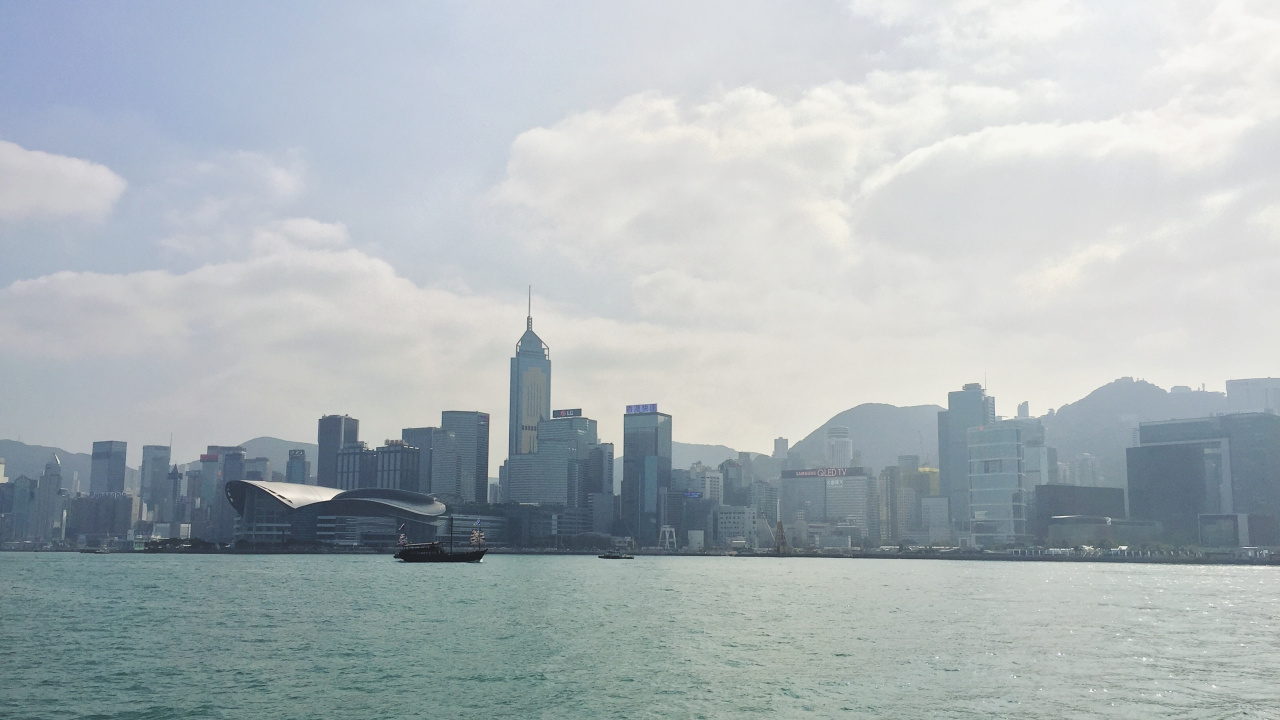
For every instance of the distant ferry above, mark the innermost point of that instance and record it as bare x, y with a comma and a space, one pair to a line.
434, 552
615, 556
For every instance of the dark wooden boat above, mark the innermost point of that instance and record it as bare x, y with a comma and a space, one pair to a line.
433, 552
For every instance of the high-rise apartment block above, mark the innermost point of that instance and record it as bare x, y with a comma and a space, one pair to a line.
106, 473
335, 433
839, 447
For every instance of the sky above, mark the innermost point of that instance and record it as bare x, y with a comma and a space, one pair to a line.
221, 220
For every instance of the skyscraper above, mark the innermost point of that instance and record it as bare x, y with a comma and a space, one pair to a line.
646, 471
106, 473
438, 465
155, 470
966, 408
998, 490
839, 447
530, 390
335, 433
298, 469
471, 432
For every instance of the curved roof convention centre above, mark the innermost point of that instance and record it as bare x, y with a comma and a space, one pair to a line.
366, 502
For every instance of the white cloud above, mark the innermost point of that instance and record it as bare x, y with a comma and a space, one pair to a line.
36, 185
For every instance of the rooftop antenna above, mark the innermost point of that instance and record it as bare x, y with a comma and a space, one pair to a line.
529, 320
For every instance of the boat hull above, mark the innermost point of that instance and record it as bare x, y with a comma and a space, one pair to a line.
431, 555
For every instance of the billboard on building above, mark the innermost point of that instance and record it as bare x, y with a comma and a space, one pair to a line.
822, 472
634, 409
575, 412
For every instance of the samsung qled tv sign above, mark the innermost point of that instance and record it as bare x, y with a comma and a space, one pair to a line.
817, 472
636, 409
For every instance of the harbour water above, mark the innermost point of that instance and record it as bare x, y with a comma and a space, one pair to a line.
352, 636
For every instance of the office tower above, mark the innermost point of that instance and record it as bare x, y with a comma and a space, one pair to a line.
258, 468
737, 490
155, 471
1185, 470
357, 467
764, 498
530, 390
708, 483
780, 446
335, 433
1087, 471
106, 474
398, 465
471, 432
966, 408
169, 505
439, 467
998, 491
298, 469
1061, 500
44, 522
839, 447
1024, 410
1254, 395
569, 465
226, 463
646, 471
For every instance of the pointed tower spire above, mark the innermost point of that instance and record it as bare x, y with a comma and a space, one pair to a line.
529, 320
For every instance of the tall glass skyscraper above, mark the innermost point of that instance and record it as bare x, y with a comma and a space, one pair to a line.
998, 492
530, 391
966, 408
471, 432
155, 473
646, 473
335, 432
106, 473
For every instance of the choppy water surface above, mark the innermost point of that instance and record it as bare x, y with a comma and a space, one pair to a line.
126, 636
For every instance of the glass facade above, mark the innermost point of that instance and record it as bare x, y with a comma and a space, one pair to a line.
646, 473
998, 491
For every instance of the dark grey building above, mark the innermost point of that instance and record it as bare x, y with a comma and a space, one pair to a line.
530, 391
1223, 465
398, 464
106, 474
357, 467
439, 467
1061, 500
335, 433
646, 472
154, 470
471, 433
966, 408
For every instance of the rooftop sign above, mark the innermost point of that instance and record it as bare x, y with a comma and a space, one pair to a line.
821, 472
636, 409
575, 412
